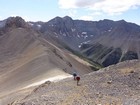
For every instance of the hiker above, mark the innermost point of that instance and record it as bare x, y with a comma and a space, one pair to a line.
77, 79
74, 75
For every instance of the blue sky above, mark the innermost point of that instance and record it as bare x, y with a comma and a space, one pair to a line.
44, 10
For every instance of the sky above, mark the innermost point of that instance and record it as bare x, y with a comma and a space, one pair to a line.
94, 10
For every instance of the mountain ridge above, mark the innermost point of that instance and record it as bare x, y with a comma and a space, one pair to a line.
89, 37
104, 36
27, 58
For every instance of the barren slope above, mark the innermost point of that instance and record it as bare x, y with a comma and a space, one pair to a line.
25, 58
115, 85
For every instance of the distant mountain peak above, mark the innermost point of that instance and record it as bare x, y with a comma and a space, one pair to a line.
67, 17
57, 18
122, 20
15, 22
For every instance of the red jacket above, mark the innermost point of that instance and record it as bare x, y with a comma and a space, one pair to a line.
77, 78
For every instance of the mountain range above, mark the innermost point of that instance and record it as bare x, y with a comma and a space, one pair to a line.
33, 52
106, 42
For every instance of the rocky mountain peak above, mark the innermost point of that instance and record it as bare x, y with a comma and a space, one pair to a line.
67, 18
56, 19
122, 21
59, 20
15, 22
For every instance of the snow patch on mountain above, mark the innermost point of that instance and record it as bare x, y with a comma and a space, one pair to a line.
39, 25
84, 33
30, 24
83, 43
73, 29
91, 35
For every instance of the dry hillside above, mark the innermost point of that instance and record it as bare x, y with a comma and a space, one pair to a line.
26, 58
115, 85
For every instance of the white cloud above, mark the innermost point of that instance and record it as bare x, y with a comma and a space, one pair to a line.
67, 4
115, 6
72, 12
105, 6
86, 18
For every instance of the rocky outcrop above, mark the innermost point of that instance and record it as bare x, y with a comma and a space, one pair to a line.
12, 22
15, 22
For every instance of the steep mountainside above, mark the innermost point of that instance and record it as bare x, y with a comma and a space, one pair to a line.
106, 42
26, 58
115, 85
118, 44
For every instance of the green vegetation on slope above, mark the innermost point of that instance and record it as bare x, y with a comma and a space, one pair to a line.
95, 66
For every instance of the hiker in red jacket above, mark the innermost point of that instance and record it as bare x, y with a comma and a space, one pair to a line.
77, 79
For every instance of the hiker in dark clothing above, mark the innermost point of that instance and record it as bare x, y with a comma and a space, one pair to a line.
74, 75
77, 79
